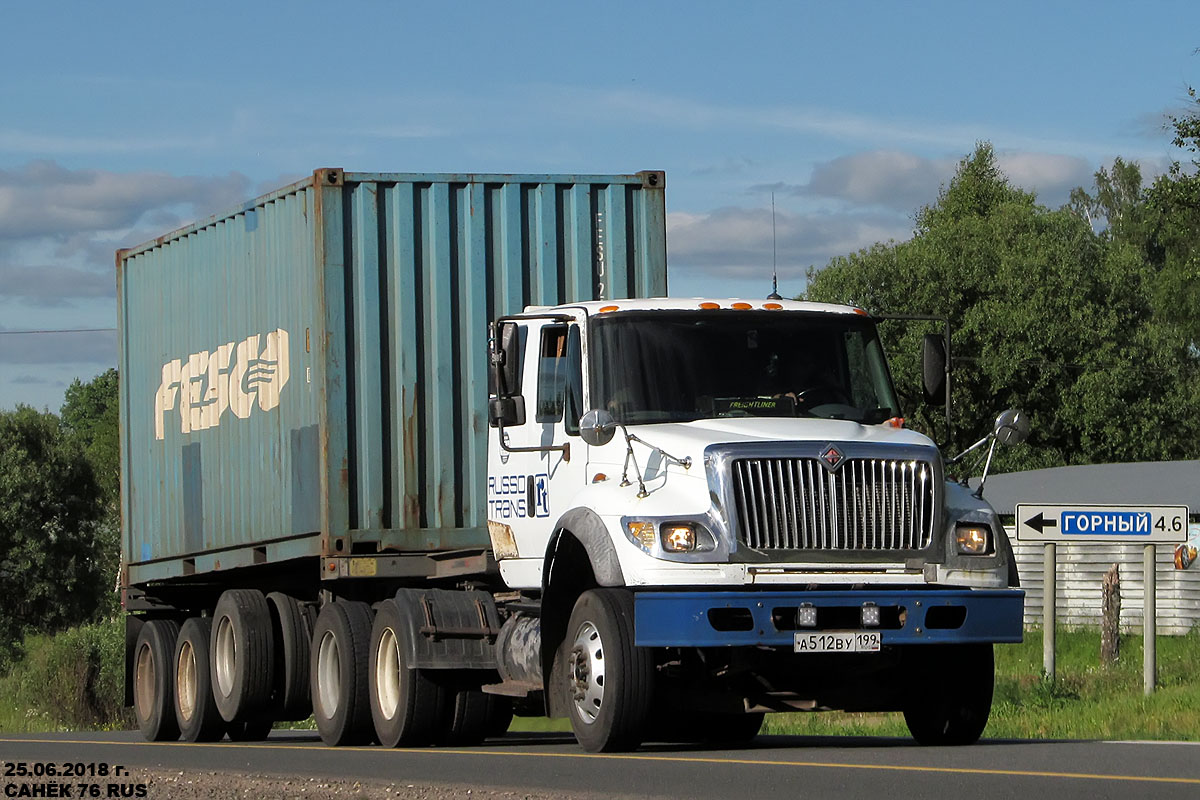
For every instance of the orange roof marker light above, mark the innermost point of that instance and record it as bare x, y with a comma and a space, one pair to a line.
860, 311
606, 309
710, 305
742, 306
895, 422
772, 306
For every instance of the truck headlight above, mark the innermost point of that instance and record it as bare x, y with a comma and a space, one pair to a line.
678, 537
973, 540
642, 533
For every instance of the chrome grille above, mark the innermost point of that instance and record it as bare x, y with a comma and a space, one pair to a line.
866, 504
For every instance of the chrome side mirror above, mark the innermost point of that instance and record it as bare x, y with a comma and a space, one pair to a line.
597, 427
1012, 427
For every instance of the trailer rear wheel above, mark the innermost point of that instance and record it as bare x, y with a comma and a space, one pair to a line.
500, 715
241, 653
254, 730
951, 695
339, 673
608, 679
153, 680
468, 713
195, 707
292, 631
406, 704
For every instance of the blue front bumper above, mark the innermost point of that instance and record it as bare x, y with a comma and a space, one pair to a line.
919, 616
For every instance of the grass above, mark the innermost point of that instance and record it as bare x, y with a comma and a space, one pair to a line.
1084, 701
69, 681
73, 681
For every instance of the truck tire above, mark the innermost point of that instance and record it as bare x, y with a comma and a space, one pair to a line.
154, 680
407, 705
339, 673
292, 631
607, 680
242, 654
196, 709
951, 693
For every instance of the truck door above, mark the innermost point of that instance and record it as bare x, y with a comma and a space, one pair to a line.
530, 490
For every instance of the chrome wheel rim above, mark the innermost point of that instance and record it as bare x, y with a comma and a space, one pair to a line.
185, 680
387, 673
143, 685
226, 656
587, 672
329, 668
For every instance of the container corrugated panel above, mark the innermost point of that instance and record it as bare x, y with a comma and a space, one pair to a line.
308, 373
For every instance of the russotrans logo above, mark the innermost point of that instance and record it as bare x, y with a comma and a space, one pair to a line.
517, 496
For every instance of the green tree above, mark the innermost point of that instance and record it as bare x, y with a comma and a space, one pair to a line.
52, 544
1047, 315
90, 416
1118, 203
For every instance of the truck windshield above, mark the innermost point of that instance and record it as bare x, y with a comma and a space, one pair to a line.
676, 366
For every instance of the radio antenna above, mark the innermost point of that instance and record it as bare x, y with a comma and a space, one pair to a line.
774, 295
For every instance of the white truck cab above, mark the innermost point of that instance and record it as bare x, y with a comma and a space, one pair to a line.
735, 474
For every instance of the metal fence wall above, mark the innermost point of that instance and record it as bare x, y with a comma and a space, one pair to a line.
1081, 571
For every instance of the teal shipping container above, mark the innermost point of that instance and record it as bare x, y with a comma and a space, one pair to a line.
306, 375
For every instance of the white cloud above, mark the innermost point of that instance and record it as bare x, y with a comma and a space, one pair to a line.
58, 348
45, 199
1050, 175
897, 180
905, 181
32, 143
52, 285
737, 242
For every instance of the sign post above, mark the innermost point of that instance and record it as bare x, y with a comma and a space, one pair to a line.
1146, 525
1049, 601
1149, 628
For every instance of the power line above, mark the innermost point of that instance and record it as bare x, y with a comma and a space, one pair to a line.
62, 330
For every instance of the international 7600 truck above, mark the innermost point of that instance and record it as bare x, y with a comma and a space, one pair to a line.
411, 453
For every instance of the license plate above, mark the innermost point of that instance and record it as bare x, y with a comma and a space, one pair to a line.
838, 642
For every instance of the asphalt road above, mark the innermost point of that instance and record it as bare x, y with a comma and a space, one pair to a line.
773, 767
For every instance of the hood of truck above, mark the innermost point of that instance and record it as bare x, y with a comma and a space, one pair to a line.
701, 433
689, 439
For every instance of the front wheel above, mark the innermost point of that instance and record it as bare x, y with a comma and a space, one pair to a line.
607, 680
951, 693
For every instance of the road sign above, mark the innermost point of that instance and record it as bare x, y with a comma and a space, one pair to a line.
1116, 524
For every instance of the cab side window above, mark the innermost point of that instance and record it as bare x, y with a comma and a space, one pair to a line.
560, 377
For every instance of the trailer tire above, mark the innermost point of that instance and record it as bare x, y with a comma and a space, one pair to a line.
339, 673
467, 715
154, 680
500, 715
407, 705
942, 708
254, 730
242, 654
607, 680
196, 709
292, 630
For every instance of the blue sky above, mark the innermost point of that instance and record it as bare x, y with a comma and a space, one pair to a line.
120, 121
